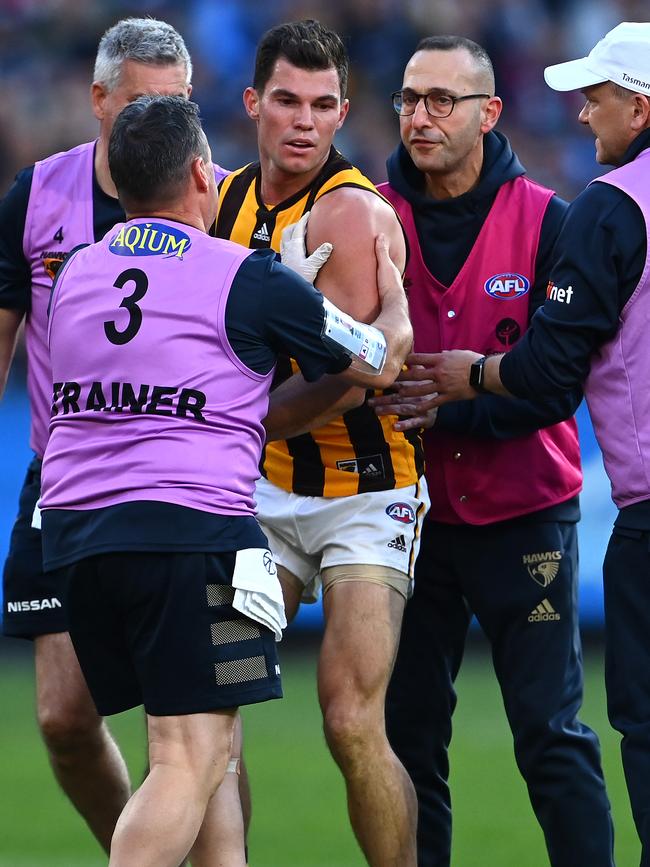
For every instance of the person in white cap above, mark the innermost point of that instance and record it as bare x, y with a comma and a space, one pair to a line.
593, 329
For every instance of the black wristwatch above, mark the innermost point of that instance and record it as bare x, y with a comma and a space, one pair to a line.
477, 374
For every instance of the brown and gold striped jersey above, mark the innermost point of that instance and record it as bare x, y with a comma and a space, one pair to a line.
358, 451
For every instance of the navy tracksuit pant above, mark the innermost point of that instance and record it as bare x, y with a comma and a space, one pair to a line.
627, 664
519, 578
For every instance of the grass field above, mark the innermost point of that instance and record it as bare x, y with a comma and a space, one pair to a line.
299, 809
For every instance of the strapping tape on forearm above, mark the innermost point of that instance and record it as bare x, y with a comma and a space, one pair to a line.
361, 342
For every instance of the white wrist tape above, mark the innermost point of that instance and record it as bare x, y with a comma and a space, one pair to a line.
363, 343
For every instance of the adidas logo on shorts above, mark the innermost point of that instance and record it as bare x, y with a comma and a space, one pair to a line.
543, 612
399, 543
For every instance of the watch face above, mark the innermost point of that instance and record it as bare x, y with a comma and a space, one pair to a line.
476, 374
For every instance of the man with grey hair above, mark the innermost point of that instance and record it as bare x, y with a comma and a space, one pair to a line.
59, 203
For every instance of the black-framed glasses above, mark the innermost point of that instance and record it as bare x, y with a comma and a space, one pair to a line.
437, 102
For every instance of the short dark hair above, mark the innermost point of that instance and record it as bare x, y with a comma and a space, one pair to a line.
451, 43
152, 145
305, 44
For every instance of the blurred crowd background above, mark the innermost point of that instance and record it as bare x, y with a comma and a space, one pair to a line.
47, 49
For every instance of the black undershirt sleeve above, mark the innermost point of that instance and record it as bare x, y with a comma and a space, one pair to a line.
599, 259
271, 311
15, 273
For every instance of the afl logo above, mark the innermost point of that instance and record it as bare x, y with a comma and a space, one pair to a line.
505, 287
401, 512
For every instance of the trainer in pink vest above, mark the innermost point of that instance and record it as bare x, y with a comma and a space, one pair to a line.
59, 218
486, 309
618, 387
149, 397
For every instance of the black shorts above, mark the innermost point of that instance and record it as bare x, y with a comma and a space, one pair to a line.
33, 601
159, 629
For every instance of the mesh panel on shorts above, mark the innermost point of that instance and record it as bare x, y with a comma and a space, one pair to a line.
228, 631
240, 670
220, 594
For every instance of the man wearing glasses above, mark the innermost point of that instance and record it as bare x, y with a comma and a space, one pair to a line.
500, 539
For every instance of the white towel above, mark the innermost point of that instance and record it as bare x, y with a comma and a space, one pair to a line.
258, 593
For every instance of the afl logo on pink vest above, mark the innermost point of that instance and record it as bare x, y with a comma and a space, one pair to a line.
507, 286
401, 512
150, 239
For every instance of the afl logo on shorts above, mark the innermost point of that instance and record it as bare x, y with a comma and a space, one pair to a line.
505, 287
401, 512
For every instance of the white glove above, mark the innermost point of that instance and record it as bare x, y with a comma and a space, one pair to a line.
294, 254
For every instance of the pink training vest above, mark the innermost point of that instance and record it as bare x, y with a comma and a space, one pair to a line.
618, 386
149, 400
59, 218
481, 481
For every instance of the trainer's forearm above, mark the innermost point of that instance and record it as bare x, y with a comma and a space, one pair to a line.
395, 325
297, 406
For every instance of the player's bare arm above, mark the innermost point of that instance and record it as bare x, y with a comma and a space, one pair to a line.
351, 219
393, 322
9, 324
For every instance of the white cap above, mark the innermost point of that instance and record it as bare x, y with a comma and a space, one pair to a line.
622, 56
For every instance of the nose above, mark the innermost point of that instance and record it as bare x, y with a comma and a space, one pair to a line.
420, 116
304, 118
583, 117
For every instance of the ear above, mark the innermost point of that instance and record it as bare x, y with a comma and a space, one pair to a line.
343, 113
640, 112
200, 175
251, 103
98, 94
490, 113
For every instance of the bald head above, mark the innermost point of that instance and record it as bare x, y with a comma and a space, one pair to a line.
476, 59
449, 84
